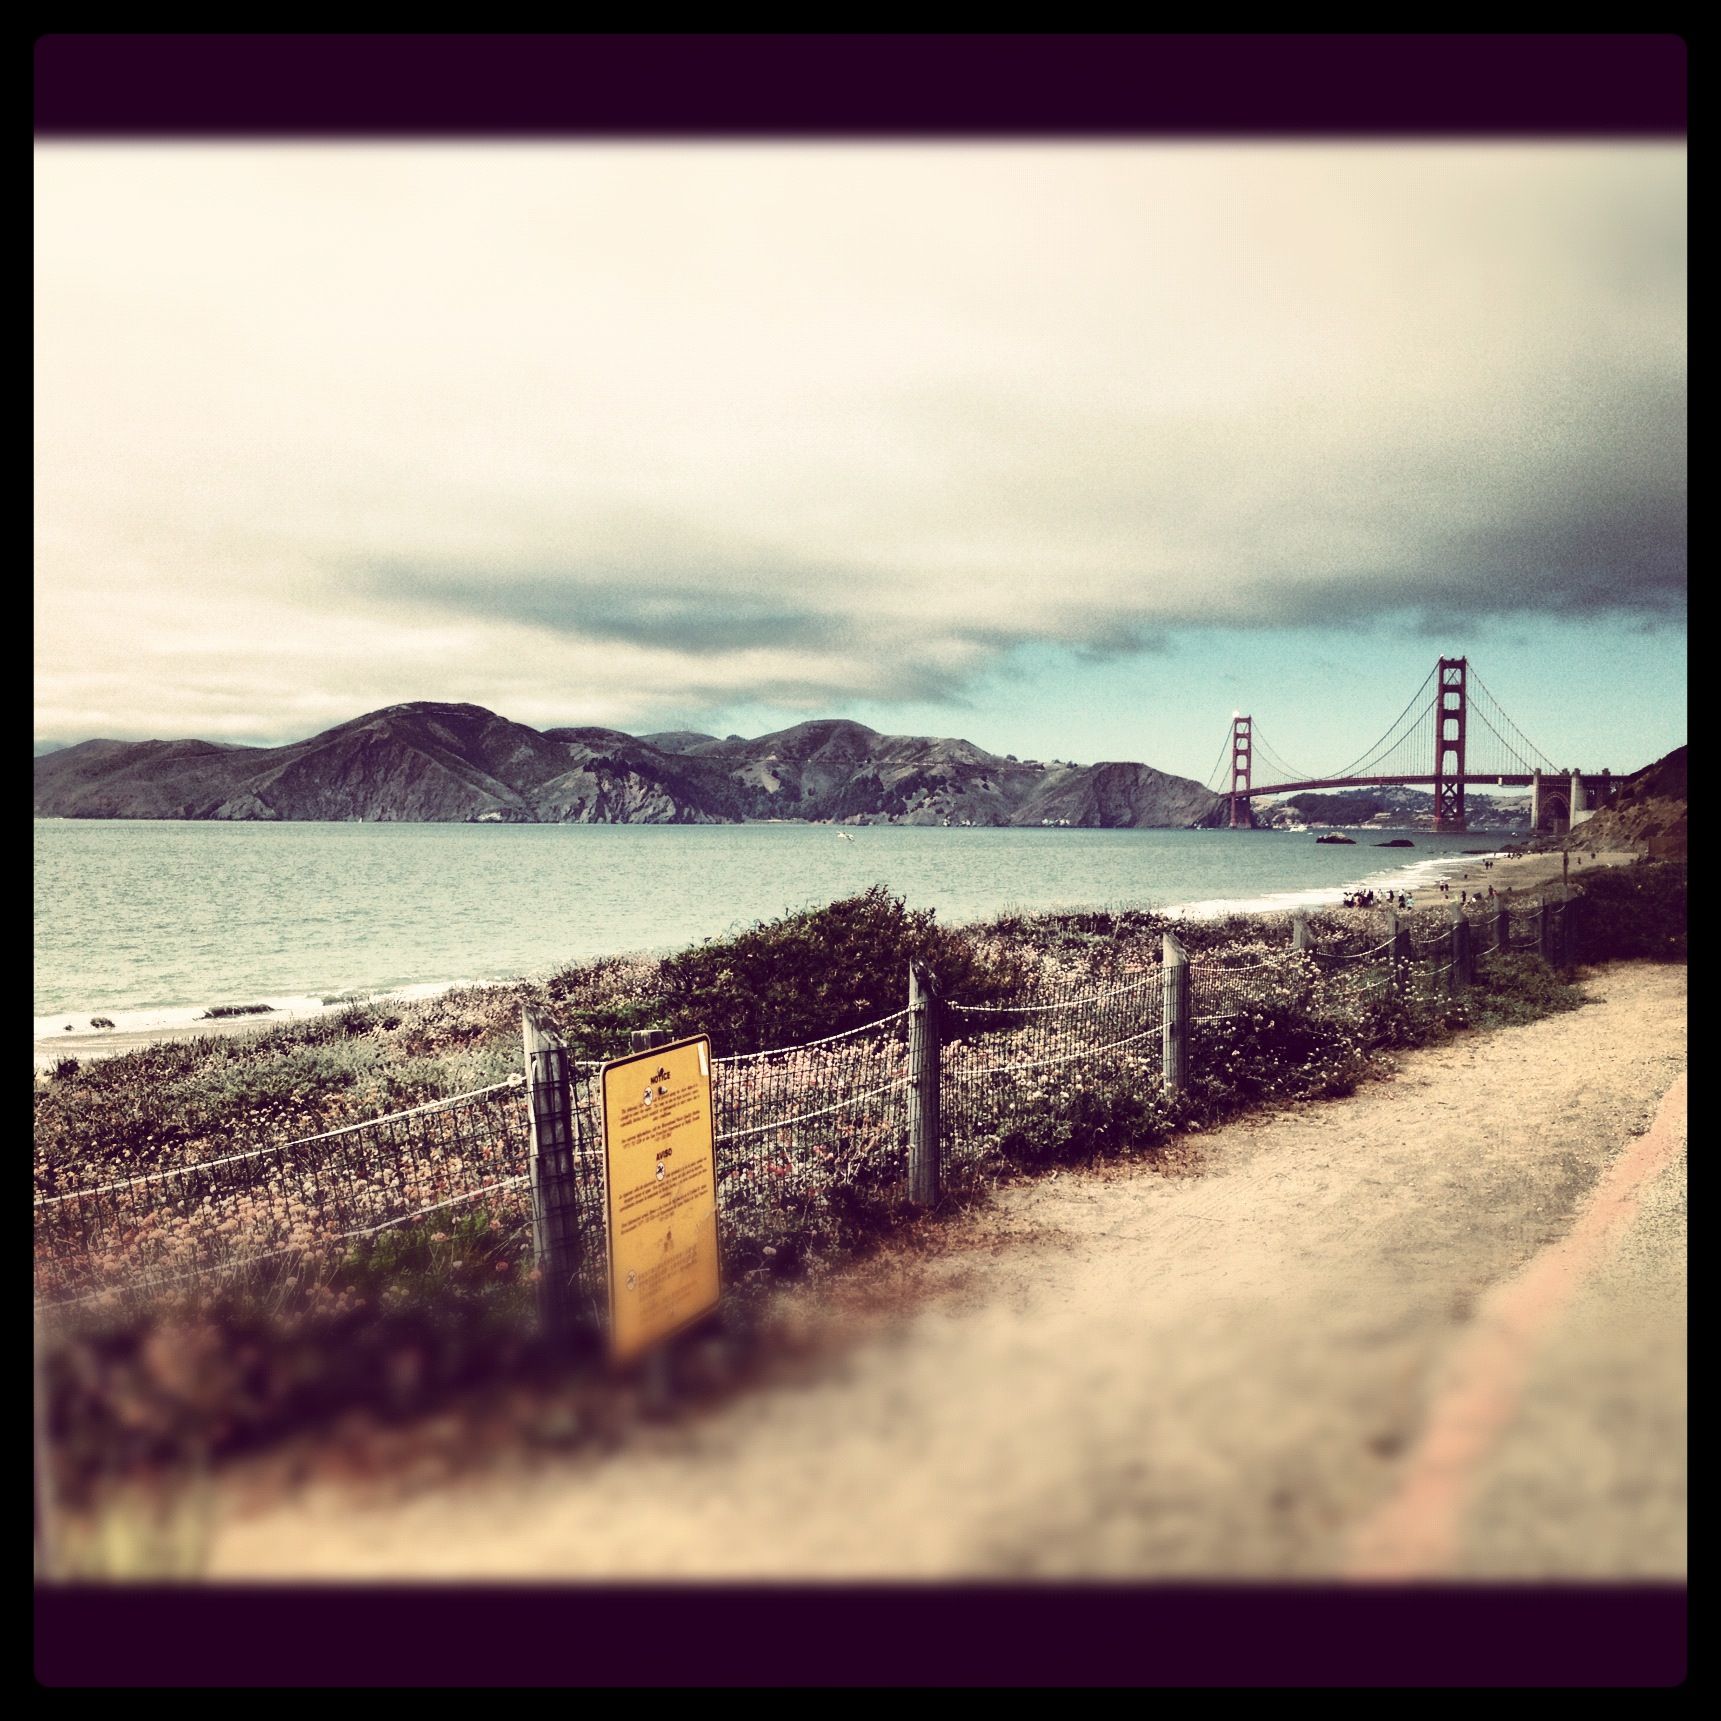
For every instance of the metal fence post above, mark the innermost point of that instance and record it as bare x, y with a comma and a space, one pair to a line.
555, 1221
1459, 974
1174, 1015
923, 1072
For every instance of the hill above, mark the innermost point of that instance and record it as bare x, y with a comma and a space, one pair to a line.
1648, 813
433, 762
1398, 806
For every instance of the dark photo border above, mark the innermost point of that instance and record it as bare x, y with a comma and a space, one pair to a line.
117, 87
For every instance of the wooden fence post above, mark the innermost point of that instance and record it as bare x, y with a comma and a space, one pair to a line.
1568, 931
555, 1219
1459, 976
1398, 955
1545, 934
1502, 927
1174, 1015
1300, 940
923, 1072
644, 1039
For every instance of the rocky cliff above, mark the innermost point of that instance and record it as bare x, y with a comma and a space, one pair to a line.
1648, 814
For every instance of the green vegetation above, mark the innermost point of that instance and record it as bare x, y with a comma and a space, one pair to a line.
1635, 911
822, 971
1352, 808
1510, 990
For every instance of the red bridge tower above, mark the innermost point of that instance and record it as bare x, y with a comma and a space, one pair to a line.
1449, 746
1242, 763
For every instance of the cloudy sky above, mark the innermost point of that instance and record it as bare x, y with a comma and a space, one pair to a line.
1068, 449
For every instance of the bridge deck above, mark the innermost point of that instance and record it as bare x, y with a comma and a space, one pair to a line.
1510, 780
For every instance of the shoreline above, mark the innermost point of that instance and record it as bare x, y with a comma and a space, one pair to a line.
1512, 877
87, 1042
1536, 873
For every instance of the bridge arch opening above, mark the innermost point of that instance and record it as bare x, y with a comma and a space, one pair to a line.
1555, 812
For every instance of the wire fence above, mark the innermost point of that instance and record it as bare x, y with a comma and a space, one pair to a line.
133, 1236
817, 1130
1001, 1063
1219, 991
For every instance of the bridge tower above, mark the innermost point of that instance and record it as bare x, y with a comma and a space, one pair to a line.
1242, 766
1450, 713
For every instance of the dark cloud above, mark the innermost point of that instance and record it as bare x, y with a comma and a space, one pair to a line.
672, 613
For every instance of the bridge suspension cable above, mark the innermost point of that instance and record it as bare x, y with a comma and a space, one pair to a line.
1530, 751
1288, 772
1392, 740
1502, 756
1218, 779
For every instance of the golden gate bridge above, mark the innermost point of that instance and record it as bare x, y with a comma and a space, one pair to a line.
1453, 733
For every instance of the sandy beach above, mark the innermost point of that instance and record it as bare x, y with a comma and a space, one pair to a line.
1532, 874
87, 1042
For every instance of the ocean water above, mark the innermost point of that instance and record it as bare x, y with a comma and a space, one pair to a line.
152, 922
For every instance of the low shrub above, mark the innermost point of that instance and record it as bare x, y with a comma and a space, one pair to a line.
1277, 1051
392, 1329
1033, 1119
1509, 990
824, 970
1636, 911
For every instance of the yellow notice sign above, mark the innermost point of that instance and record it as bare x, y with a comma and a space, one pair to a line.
661, 1171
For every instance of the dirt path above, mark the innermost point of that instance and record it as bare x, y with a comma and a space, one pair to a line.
1233, 1374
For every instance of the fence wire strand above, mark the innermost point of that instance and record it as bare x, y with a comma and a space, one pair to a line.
308, 1195
993, 1080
